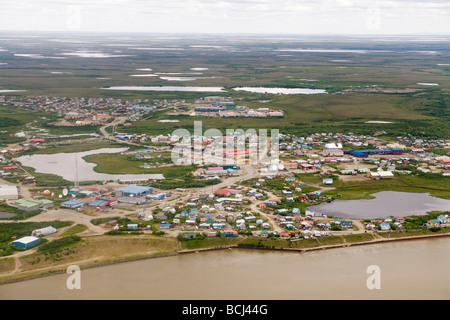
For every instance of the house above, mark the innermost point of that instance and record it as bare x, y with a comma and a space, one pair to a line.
433, 223
286, 193
265, 225
285, 235
307, 234
161, 216
346, 224
385, 226
295, 211
163, 226
188, 235
264, 234
442, 218
327, 181
230, 233
218, 226
309, 212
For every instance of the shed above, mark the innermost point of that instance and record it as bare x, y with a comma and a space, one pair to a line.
43, 231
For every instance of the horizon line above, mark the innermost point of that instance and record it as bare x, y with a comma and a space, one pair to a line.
230, 33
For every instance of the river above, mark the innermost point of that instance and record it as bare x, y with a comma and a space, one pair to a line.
416, 269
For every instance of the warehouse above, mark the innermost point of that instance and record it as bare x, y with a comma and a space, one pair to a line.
366, 153
9, 192
25, 242
99, 204
133, 191
72, 204
33, 204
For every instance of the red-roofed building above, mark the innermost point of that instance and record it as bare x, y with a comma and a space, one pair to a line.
10, 168
222, 192
285, 235
215, 168
37, 140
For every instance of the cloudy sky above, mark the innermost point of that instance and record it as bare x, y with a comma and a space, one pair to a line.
230, 16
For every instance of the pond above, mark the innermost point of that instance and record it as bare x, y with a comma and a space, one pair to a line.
72, 165
4, 215
385, 204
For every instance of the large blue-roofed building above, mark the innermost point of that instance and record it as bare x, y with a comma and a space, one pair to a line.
72, 204
366, 153
135, 191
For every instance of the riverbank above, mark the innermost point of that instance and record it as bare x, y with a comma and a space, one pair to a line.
108, 262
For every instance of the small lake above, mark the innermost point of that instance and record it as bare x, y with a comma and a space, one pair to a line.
167, 88
385, 204
281, 90
66, 165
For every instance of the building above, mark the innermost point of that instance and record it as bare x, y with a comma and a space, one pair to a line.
101, 204
290, 165
159, 196
381, 174
43, 231
9, 192
25, 242
33, 204
230, 233
331, 153
229, 201
72, 204
366, 153
385, 226
133, 191
222, 192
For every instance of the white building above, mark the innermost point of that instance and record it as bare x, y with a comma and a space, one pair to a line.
43, 231
9, 192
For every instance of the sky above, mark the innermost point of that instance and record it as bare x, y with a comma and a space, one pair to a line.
390, 17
